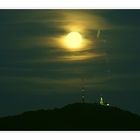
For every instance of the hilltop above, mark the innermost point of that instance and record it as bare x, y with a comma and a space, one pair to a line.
77, 116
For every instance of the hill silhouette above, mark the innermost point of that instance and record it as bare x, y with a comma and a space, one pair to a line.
77, 116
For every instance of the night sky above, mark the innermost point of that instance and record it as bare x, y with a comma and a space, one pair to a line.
39, 71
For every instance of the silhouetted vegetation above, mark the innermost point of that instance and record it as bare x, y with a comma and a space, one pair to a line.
78, 116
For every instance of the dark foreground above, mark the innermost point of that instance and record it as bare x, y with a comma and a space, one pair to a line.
78, 116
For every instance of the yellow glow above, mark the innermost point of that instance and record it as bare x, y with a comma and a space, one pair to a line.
74, 40
79, 57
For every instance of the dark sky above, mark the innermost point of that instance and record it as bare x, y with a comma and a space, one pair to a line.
38, 71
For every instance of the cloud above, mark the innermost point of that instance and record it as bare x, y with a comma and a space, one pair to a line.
33, 59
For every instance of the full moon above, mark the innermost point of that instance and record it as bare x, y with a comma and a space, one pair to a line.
73, 40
